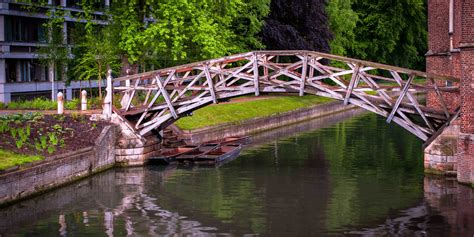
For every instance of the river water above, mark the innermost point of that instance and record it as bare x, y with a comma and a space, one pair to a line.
332, 176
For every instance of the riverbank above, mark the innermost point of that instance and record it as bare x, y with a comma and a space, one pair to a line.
108, 151
258, 124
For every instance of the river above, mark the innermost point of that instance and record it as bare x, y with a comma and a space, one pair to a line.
339, 175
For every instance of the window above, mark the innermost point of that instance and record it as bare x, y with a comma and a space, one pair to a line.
24, 29
25, 71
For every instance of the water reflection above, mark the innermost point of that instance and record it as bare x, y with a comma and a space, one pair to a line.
357, 177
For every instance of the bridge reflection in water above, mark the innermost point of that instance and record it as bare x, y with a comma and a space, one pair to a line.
302, 184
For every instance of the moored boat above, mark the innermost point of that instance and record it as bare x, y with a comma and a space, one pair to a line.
233, 140
200, 151
168, 155
220, 154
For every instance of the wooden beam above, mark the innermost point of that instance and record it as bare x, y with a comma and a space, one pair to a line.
303, 74
255, 75
400, 99
210, 84
354, 82
166, 97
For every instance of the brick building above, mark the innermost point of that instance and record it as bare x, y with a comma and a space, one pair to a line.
451, 53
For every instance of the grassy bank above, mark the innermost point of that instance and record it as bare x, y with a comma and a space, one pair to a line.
9, 159
236, 112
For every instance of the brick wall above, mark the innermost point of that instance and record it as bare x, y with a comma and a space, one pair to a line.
467, 90
439, 59
466, 139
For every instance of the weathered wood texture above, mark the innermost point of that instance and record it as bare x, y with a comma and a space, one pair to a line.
153, 100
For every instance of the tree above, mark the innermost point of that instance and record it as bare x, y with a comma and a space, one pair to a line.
95, 52
342, 22
303, 24
392, 32
55, 54
174, 31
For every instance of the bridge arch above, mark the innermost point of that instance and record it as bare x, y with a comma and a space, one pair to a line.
153, 100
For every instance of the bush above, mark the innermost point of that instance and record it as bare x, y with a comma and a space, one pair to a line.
2, 105
38, 103
74, 104
47, 104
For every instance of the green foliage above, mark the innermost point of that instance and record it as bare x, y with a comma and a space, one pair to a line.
342, 22
37, 103
391, 32
186, 30
96, 50
22, 135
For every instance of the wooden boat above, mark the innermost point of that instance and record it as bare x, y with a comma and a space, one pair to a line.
168, 155
220, 154
200, 151
233, 140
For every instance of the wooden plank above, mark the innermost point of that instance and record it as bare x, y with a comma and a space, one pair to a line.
303, 74
255, 75
354, 82
400, 99
210, 84
440, 98
166, 97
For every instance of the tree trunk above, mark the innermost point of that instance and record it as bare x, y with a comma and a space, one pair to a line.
100, 81
51, 78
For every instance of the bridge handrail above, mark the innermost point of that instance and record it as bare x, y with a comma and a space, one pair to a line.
243, 56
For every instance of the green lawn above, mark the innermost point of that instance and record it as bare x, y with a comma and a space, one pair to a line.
240, 111
8, 159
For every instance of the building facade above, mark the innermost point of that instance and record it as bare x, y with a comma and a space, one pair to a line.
451, 53
22, 33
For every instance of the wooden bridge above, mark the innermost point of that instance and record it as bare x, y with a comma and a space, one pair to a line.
154, 100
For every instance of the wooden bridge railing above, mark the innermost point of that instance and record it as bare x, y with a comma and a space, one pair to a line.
153, 100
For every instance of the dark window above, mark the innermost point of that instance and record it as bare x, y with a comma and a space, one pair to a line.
24, 29
25, 71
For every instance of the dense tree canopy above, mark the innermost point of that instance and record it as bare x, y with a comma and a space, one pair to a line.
392, 32
171, 31
301, 24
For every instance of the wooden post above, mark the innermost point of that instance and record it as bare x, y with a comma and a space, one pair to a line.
303, 74
210, 84
400, 99
60, 103
255, 74
107, 112
84, 100
352, 84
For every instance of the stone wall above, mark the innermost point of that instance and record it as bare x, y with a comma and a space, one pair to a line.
260, 124
131, 149
440, 156
56, 171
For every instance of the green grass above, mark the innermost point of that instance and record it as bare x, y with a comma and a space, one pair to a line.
240, 111
8, 159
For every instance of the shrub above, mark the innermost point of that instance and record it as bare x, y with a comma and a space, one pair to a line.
38, 103
73, 104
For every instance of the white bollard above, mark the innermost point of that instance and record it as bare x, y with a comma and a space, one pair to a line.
84, 100
60, 103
